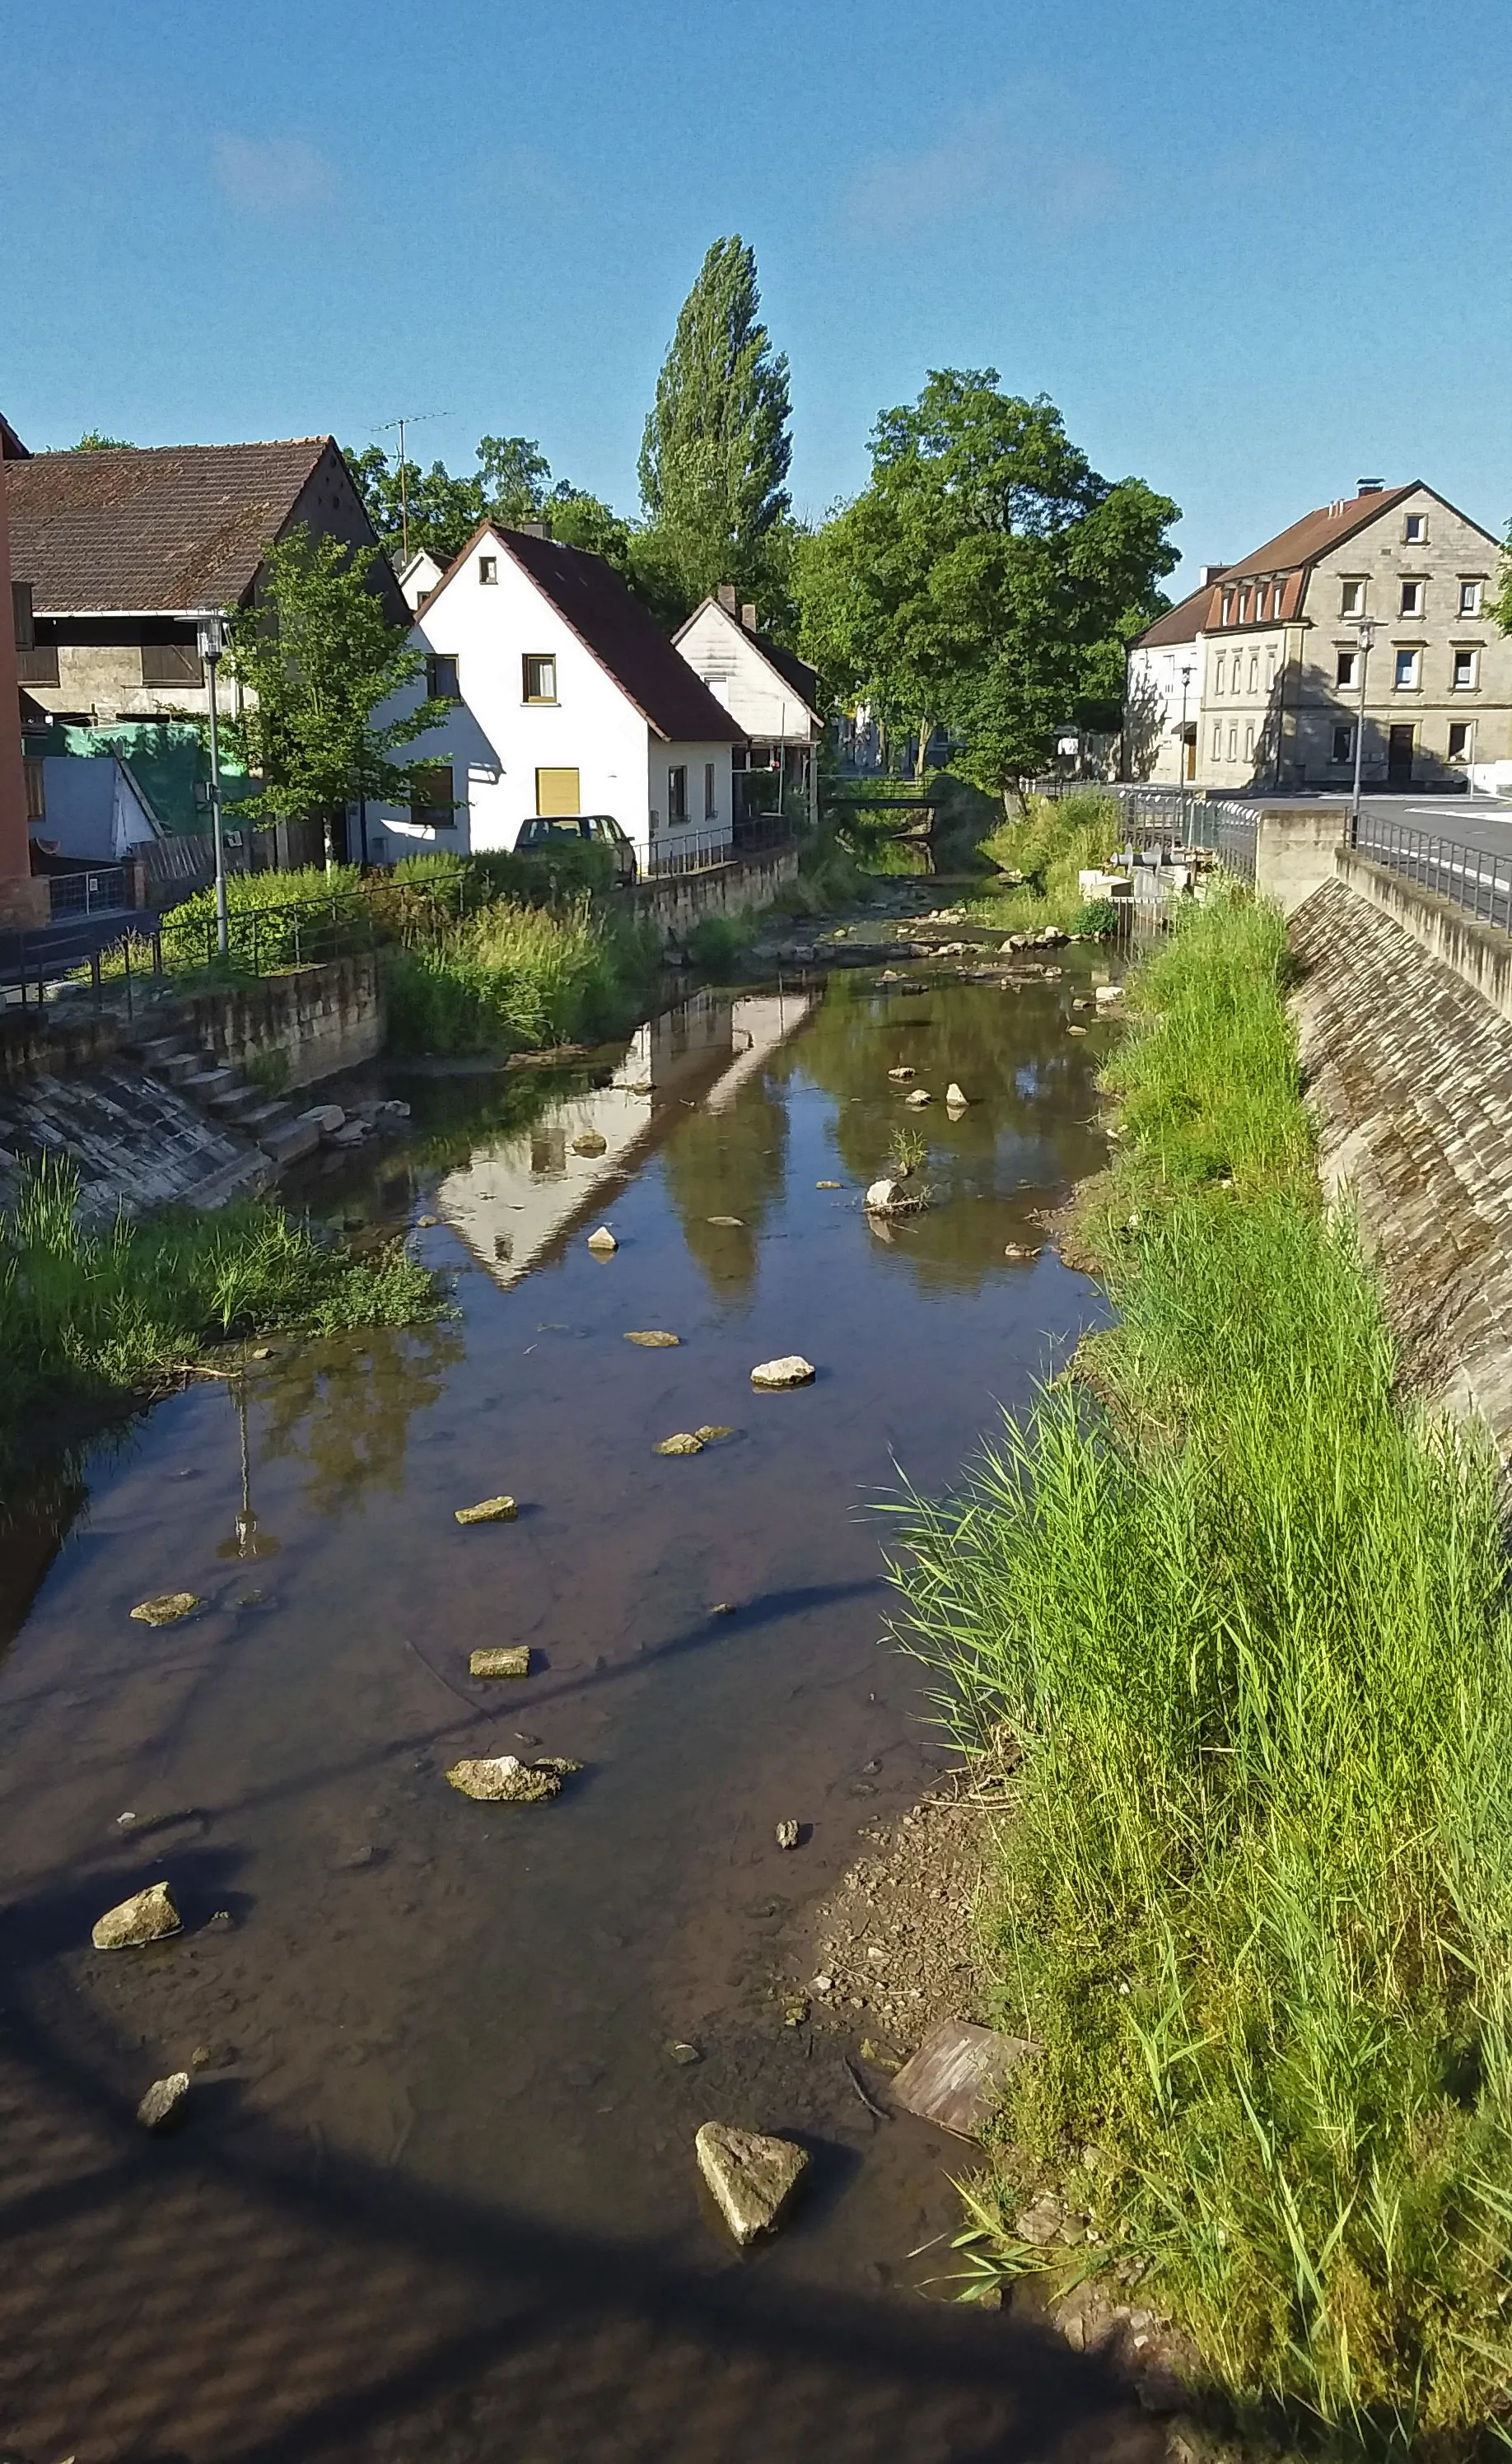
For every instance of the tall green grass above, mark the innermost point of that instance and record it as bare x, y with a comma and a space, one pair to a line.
1234, 1618
86, 1314
1056, 840
516, 979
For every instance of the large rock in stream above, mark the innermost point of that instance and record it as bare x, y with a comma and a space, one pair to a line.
149, 1916
772, 1377
504, 1780
752, 2177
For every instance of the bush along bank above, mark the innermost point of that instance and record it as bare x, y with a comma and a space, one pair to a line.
1230, 1618
86, 1316
511, 979
1050, 845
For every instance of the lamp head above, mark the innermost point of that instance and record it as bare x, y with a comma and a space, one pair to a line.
211, 636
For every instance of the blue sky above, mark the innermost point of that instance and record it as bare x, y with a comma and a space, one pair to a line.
1252, 253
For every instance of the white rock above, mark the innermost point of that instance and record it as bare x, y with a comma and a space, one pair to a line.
791, 1370
148, 1916
752, 2177
921, 1096
602, 1242
163, 2100
1106, 993
884, 1196
954, 1098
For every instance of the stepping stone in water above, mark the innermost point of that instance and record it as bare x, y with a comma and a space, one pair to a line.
503, 1779
752, 2177
956, 2075
166, 1608
491, 1509
513, 1660
148, 1917
770, 1376
683, 1443
654, 1339
602, 1242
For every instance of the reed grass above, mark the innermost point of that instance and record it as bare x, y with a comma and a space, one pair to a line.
1235, 1615
88, 1313
1053, 842
516, 979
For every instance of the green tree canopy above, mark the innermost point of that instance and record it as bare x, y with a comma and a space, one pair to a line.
94, 441
512, 484
319, 656
716, 448
988, 578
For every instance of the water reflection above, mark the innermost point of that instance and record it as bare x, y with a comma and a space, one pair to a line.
342, 1409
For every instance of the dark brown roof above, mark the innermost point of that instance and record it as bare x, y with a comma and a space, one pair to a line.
11, 448
165, 527
1182, 623
610, 621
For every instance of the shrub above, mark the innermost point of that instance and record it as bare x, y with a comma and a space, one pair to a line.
716, 943
516, 979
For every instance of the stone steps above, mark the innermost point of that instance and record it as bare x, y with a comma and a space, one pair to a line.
279, 1135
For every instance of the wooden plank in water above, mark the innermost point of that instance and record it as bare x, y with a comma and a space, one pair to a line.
955, 2076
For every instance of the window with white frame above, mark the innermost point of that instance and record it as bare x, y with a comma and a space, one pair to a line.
1466, 671
1218, 743
1411, 599
1255, 672
488, 568
1219, 668
1415, 530
1343, 744
1249, 742
1351, 598
1228, 607
1408, 671
1469, 598
1270, 670
1234, 743
1347, 669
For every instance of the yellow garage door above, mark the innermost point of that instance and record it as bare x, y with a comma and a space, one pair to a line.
558, 791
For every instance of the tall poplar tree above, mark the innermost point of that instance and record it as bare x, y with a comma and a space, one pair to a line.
717, 448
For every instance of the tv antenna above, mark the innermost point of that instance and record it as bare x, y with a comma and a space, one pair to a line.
411, 419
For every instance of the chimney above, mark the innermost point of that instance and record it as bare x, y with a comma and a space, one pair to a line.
537, 530
1368, 487
748, 617
727, 596
1207, 573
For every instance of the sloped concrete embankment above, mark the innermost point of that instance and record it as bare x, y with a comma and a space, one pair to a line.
1408, 1073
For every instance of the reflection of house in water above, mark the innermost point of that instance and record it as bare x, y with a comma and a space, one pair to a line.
528, 1189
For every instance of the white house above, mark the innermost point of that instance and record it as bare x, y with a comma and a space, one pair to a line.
775, 698
1163, 702
568, 699
420, 577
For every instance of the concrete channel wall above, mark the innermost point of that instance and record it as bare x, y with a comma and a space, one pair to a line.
676, 903
321, 1019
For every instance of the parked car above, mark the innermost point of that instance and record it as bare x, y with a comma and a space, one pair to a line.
537, 837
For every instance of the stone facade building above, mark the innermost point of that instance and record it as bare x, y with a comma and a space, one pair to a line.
1274, 649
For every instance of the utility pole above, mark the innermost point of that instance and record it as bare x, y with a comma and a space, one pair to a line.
1366, 630
212, 639
410, 419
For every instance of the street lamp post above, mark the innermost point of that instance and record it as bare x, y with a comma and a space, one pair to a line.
1181, 759
212, 637
1366, 631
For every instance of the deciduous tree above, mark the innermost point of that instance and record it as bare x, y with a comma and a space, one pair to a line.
318, 657
988, 578
715, 453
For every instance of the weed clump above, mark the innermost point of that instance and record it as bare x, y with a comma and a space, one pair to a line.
1238, 1619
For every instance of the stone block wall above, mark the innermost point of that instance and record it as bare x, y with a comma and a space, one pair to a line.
323, 1019
1408, 1073
682, 900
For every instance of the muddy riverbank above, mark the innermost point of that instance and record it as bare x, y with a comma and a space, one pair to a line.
434, 2195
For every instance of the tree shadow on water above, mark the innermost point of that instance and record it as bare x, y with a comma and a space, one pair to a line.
236, 2294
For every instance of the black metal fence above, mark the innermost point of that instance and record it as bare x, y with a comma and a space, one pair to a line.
88, 893
1473, 877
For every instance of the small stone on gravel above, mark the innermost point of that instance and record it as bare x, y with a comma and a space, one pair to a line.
161, 2106
166, 1608
512, 1661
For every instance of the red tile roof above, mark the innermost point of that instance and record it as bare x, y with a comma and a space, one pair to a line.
1182, 623
1287, 556
622, 636
165, 527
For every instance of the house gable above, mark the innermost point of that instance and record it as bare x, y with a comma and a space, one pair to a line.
773, 694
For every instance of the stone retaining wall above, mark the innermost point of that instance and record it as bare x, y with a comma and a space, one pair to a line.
1480, 955
323, 1019
1408, 1071
681, 900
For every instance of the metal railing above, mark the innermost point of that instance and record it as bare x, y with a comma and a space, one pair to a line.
705, 851
1473, 877
88, 893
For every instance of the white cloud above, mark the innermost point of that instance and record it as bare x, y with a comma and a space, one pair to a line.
999, 157
273, 175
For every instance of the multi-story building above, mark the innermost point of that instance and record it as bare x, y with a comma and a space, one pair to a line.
1372, 612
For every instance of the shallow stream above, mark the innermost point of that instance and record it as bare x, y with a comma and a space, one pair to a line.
435, 2198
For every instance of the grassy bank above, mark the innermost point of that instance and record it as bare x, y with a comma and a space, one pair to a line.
514, 978
1053, 842
88, 1315
1231, 1620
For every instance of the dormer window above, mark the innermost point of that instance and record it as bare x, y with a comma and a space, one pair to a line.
488, 568
1228, 607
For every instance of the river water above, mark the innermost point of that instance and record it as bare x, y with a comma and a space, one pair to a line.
436, 2196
